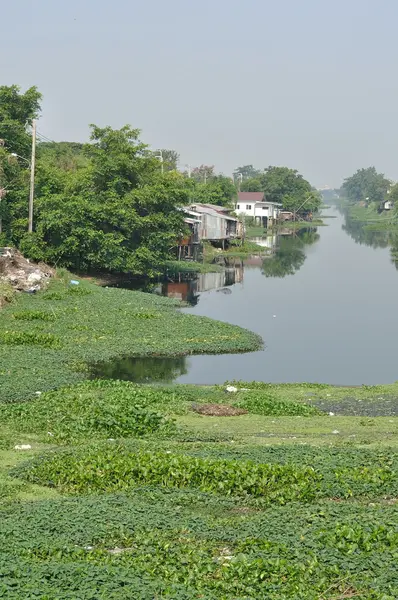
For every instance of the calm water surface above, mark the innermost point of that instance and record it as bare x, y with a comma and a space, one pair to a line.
335, 320
325, 305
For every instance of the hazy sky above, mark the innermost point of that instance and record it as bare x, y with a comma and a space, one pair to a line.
311, 84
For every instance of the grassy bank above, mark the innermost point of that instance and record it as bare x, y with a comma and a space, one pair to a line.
239, 249
47, 340
134, 492
300, 224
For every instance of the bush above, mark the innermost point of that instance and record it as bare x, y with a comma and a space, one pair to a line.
110, 468
34, 315
29, 338
91, 410
262, 403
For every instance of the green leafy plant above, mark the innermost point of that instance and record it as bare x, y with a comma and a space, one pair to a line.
29, 338
262, 403
34, 315
115, 467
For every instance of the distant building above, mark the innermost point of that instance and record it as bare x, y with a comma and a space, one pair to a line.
216, 223
207, 222
254, 205
388, 205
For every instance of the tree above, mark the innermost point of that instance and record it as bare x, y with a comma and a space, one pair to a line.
117, 213
17, 111
366, 185
203, 173
67, 156
171, 158
219, 190
290, 255
289, 188
251, 185
248, 172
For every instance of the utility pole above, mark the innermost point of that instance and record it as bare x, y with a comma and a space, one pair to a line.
32, 177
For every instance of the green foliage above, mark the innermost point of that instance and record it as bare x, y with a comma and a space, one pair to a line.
7, 293
263, 403
284, 186
366, 185
17, 110
248, 172
251, 185
34, 315
218, 190
290, 254
115, 467
116, 213
94, 324
92, 410
179, 544
171, 158
29, 338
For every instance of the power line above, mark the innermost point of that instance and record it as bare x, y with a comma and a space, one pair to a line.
44, 137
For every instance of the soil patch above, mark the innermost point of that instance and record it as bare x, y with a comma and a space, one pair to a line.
218, 410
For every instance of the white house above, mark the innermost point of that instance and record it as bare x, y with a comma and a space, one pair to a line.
388, 205
254, 204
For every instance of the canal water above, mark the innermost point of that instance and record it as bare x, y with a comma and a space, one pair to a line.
324, 302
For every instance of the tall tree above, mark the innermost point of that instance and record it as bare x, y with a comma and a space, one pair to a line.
247, 172
366, 185
203, 173
289, 188
118, 213
251, 185
171, 158
17, 111
219, 190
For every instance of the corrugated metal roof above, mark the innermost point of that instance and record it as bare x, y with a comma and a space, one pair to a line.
209, 209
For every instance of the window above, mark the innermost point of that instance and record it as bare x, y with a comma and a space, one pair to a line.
238, 206
265, 207
248, 206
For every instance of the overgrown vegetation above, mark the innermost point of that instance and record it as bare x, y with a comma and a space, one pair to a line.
93, 324
207, 507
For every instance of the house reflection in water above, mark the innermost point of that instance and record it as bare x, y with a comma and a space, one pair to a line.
188, 288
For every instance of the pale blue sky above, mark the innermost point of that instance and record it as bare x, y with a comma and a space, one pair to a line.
307, 83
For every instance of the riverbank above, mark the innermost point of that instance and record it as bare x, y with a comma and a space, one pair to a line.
140, 488
49, 339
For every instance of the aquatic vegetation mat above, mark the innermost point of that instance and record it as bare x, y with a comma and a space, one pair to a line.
183, 544
48, 340
93, 410
115, 467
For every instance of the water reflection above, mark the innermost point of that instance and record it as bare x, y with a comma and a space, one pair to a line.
363, 233
289, 255
188, 288
367, 234
141, 370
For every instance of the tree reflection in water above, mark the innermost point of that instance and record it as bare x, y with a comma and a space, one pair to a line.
290, 254
141, 370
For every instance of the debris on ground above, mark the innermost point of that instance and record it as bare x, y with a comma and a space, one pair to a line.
218, 410
21, 274
231, 389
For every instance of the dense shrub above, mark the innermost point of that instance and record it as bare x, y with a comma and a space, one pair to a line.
112, 467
